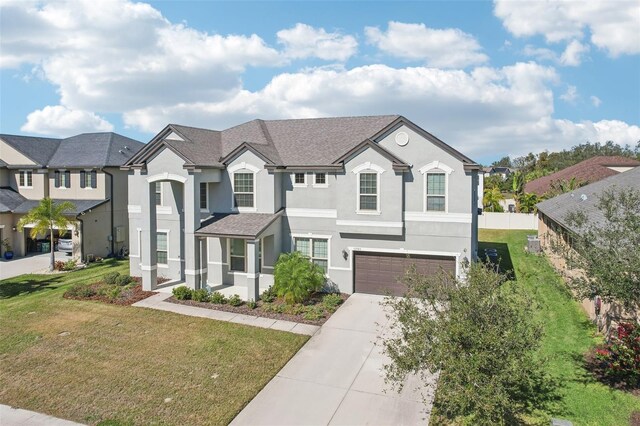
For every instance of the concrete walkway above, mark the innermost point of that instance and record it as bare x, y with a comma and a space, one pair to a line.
26, 265
337, 378
10, 416
157, 301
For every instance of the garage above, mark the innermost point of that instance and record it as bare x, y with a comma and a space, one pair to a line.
378, 273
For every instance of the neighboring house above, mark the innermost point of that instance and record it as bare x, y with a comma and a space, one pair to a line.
552, 213
504, 172
358, 195
587, 171
83, 169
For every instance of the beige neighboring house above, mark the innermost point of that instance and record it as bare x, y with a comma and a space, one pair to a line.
82, 169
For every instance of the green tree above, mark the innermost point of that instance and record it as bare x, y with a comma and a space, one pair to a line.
479, 335
558, 187
607, 251
503, 162
491, 200
45, 217
527, 203
296, 277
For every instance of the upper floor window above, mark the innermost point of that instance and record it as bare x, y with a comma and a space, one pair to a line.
88, 179
436, 197
162, 247
368, 181
436, 181
62, 179
243, 191
158, 193
316, 249
204, 196
299, 179
25, 179
320, 179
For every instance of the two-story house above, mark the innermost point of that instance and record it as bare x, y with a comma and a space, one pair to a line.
83, 169
360, 196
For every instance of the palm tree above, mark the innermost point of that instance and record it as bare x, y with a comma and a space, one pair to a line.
46, 216
527, 202
491, 199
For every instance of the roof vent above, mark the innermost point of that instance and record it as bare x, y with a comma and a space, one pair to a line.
402, 138
583, 197
121, 151
126, 147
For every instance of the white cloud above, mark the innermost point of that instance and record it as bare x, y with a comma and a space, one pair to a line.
571, 95
304, 41
596, 101
572, 55
446, 48
61, 121
613, 25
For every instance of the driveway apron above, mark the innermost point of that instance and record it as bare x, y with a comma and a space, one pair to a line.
337, 378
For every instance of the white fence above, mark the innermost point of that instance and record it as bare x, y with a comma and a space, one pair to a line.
490, 220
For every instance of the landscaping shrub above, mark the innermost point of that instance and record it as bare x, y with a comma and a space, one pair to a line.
81, 290
200, 295
269, 295
111, 278
69, 265
114, 292
182, 293
217, 298
296, 277
313, 313
123, 280
277, 308
59, 265
296, 309
331, 301
251, 304
235, 300
620, 356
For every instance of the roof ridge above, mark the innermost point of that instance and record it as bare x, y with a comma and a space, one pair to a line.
109, 147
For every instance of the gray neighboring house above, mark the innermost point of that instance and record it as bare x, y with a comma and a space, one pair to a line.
360, 196
83, 169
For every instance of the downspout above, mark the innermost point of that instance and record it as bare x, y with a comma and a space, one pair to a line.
81, 236
113, 238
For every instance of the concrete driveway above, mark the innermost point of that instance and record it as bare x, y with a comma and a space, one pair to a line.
336, 378
26, 265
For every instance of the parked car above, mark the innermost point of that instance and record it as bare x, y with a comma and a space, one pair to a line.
65, 243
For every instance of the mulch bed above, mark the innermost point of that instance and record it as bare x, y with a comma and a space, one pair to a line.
595, 367
257, 312
127, 297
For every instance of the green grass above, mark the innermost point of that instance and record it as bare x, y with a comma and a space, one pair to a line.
119, 364
568, 335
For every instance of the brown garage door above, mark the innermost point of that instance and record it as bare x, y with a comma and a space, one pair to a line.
379, 273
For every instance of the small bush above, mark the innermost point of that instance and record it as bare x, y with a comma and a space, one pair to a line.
81, 290
235, 300
59, 265
277, 308
114, 292
252, 304
313, 313
200, 295
217, 298
296, 277
269, 295
182, 293
331, 301
69, 265
123, 280
111, 278
621, 355
296, 309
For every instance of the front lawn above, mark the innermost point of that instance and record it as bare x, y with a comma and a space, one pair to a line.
92, 362
568, 335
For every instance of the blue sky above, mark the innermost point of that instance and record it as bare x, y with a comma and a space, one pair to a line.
489, 78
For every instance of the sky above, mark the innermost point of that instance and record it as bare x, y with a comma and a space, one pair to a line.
489, 78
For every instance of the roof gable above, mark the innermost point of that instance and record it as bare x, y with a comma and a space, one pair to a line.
38, 150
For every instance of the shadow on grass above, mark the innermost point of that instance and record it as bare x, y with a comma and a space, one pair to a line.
15, 287
504, 257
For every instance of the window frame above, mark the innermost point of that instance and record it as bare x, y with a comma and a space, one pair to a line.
158, 190
311, 238
206, 200
166, 232
299, 185
24, 175
368, 168
321, 185
435, 167
427, 195
229, 256
243, 168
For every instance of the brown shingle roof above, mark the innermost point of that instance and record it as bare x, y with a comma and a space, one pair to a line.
239, 225
589, 171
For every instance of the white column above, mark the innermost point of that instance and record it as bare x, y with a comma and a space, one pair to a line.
253, 268
192, 267
148, 247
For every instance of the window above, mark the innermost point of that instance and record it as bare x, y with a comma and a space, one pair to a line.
88, 179
204, 196
25, 179
237, 252
62, 179
316, 249
368, 192
243, 189
299, 179
320, 179
161, 241
436, 183
158, 193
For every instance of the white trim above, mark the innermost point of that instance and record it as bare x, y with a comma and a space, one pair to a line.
164, 210
437, 217
340, 268
218, 263
166, 231
166, 176
321, 185
25, 186
139, 241
155, 192
436, 165
134, 208
299, 185
229, 254
311, 236
206, 208
368, 166
174, 259
317, 213
195, 271
148, 268
370, 223
243, 166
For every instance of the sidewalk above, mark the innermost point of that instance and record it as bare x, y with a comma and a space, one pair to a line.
10, 416
158, 302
